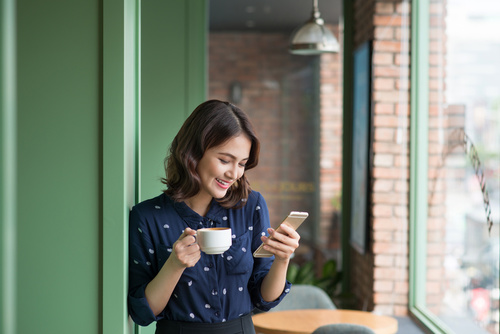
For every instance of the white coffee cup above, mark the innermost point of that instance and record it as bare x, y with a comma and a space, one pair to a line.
214, 240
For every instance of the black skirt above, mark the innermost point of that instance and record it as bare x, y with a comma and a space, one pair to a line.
242, 325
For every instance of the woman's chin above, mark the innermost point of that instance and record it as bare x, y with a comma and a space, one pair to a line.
220, 195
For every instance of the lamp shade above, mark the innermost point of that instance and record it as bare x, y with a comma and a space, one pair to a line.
313, 37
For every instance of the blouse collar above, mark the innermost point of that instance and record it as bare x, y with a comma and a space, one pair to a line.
216, 213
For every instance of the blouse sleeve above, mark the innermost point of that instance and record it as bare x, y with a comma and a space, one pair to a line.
262, 265
141, 269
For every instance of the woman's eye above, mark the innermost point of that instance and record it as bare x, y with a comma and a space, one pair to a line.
224, 161
243, 165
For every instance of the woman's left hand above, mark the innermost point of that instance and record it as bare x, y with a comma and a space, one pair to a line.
283, 242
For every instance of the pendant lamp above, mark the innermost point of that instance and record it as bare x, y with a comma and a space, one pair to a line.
313, 38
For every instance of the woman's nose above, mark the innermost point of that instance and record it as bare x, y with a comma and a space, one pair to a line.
232, 172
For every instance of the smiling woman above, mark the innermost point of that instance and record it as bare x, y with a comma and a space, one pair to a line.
171, 280
211, 125
220, 168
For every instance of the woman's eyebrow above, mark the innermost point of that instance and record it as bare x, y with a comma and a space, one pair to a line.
232, 156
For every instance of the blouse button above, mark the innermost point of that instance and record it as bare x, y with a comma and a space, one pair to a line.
210, 265
217, 314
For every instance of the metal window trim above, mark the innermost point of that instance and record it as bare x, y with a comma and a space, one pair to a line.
419, 122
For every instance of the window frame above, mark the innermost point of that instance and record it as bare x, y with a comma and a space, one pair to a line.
418, 213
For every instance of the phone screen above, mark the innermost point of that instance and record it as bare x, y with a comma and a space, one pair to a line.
294, 220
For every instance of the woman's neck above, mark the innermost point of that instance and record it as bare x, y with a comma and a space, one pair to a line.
200, 205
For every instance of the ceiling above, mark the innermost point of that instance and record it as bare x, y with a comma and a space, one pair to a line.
268, 15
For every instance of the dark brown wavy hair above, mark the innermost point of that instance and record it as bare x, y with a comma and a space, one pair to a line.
211, 124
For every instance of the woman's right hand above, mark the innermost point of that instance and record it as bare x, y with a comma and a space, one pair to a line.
186, 252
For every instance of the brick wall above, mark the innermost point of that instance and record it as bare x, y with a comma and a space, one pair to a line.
391, 161
292, 125
299, 123
380, 276
279, 92
264, 67
274, 83
331, 148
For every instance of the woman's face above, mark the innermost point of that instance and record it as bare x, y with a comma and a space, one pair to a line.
222, 165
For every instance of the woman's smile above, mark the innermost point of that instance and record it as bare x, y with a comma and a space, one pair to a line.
219, 168
223, 184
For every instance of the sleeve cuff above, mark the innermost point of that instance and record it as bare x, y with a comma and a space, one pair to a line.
262, 305
138, 308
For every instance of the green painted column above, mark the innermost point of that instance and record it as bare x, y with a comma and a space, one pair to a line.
7, 168
121, 96
70, 152
173, 78
58, 162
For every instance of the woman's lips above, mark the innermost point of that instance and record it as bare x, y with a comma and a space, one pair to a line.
223, 184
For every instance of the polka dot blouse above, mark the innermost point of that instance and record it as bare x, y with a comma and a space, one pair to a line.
219, 287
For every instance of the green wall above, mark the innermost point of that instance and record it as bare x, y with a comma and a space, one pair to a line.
173, 79
72, 78
58, 148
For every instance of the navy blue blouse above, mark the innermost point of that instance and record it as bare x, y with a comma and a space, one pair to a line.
219, 287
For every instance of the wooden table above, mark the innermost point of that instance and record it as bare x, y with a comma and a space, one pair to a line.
306, 321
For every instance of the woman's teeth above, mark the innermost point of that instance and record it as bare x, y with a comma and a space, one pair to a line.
222, 182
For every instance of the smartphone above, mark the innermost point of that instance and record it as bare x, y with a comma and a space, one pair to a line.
294, 220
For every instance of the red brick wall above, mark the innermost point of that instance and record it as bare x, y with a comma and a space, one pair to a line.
380, 276
279, 92
331, 148
280, 95
391, 70
299, 123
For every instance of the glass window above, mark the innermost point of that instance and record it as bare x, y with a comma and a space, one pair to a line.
460, 288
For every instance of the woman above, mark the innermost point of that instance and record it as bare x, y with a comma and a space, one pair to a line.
170, 280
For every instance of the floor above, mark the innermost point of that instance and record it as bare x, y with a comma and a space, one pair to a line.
458, 325
407, 326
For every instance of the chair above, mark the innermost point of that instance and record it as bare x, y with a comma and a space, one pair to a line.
303, 296
343, 329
